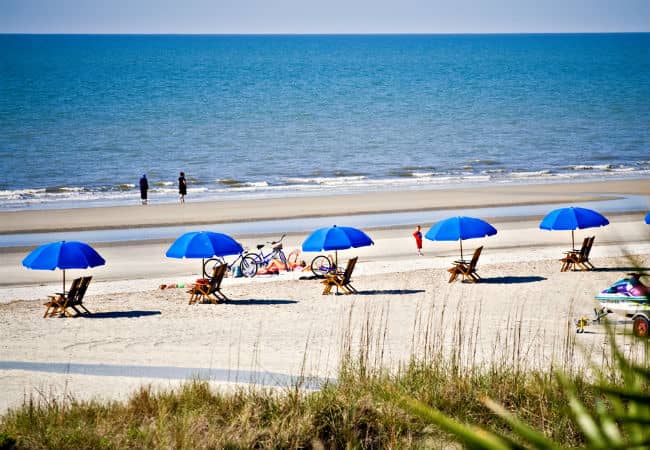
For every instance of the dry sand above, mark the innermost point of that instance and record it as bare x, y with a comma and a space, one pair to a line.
280, 326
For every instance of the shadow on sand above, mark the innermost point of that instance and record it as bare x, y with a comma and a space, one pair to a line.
621, 269
392, 292
511, 280
121, 314
260, 302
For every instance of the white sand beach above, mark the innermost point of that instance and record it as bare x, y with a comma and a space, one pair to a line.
278, 327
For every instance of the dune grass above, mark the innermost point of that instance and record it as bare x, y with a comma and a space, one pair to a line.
351, 412
422, 404
354, 411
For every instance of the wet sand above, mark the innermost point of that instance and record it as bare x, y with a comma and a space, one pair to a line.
314, 206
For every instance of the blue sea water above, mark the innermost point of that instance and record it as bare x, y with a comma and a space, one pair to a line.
82, 117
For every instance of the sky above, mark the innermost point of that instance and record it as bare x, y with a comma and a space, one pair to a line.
322, 16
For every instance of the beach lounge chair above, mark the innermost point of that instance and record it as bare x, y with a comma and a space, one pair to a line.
341, 280
210, 291
76, 302
586, 261
466, 269
56, 302
579, 258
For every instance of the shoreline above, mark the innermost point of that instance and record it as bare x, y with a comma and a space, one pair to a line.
285, 208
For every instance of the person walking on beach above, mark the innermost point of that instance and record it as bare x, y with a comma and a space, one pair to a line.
182, 188
418, 239
144, 187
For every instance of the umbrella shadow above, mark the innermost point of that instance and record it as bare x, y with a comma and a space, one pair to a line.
391, 292
621, 269
122, 314
260, 302
512, 280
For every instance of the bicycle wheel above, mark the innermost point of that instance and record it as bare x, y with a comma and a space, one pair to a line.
321, 265
210, 264
248, 265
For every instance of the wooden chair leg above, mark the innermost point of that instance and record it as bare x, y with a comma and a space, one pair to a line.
221, 296
454, 275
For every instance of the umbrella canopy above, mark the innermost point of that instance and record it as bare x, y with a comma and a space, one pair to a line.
336, 238
459, 228
203, 244
63, 255
572, 218
647, 218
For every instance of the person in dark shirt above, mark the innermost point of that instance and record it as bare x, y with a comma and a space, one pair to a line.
144, 187
182, 188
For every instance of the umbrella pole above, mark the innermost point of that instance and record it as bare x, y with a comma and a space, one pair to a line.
336, 267
63, 282
461, 249
573, 242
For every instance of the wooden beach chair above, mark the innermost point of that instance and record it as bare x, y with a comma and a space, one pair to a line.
210, 292
465, 269
579, 258
586, 261
76, 303
342, 280
56, 302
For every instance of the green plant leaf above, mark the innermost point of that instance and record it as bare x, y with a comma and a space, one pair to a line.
539, 440
587, 424
474, 436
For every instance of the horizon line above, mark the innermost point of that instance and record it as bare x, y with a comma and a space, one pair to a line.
322, 34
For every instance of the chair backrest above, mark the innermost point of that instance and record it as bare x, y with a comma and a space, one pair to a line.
474, 261
74, 288
588, 247
217, 277
583, 250
83, 287
347, 275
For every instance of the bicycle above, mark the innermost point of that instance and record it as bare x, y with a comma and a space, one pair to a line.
210, 264
322, 265
252, 261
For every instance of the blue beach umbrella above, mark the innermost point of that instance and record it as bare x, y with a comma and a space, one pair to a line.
203, 244
572, 218
459, 228
63, 255
336, 238
647, 218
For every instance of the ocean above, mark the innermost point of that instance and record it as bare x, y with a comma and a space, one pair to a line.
82, 117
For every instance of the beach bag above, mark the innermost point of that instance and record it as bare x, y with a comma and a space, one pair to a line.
236, 272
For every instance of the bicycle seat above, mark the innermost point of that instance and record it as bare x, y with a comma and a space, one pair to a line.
260, 246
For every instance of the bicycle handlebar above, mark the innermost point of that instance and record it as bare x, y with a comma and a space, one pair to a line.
278, 241
261, 246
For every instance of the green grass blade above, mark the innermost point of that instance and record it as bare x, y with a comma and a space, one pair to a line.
626, 394
473, 436
539, 440
587, 424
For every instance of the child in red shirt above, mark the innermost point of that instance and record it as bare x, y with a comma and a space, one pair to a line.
418, 239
